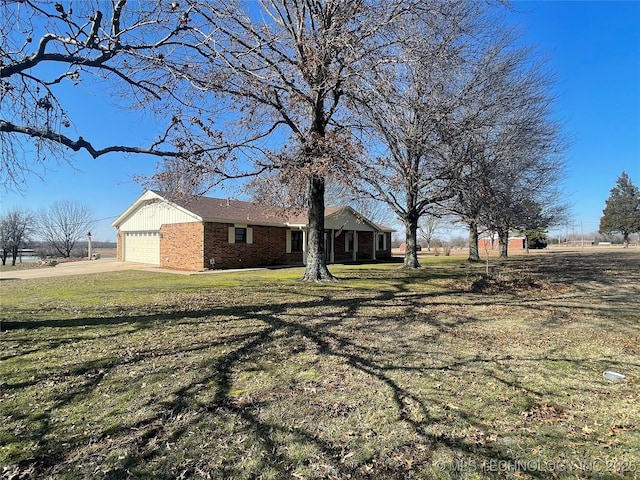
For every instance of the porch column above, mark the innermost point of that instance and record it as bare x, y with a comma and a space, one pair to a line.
332, 257
354, 254
375, 245
305, 247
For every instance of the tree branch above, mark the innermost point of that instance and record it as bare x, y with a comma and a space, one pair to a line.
81, 143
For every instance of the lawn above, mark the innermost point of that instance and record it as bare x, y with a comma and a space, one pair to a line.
438, 373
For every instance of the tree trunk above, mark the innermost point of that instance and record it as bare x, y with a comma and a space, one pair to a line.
14, 256
411, 231
316, 270
503, 243
474, 253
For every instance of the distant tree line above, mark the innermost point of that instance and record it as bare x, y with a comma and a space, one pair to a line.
54, 231
591, 238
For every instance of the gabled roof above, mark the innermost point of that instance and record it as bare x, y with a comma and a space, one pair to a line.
208, 209
227, 210
336, 211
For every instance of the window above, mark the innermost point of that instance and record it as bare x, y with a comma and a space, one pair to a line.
296, 241
241, 235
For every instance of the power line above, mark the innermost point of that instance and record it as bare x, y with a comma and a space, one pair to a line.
105, 218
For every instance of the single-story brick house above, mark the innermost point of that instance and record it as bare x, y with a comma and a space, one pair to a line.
200, 233
491, 243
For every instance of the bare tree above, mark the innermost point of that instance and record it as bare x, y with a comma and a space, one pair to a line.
63, 224
416, 109
16, 228
510, 149
528, 170
278, 190
45, 47
289, 194
429, 225
281, 69
471, 199
177, 178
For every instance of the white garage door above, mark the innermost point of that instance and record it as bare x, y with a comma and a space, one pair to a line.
142, 247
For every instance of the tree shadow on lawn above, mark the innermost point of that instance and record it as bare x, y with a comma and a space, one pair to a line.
412, 409
580, 287
574, 268
208, 406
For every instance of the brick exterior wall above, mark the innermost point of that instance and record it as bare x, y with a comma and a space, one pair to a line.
182, 246
365, 247
339, 253
189, 246
514, 244
268, 248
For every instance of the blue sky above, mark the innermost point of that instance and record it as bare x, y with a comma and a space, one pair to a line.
595, 50
594, 47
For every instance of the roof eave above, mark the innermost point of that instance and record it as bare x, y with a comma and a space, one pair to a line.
357, 214
146, 196
248, 221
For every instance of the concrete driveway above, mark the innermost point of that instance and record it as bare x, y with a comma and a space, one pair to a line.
75, 268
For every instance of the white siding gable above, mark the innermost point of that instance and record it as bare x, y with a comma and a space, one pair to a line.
151, 215
346, 220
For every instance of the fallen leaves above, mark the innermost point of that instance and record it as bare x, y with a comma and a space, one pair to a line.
375, 378
544, 413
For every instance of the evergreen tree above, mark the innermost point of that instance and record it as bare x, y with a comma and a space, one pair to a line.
622, 211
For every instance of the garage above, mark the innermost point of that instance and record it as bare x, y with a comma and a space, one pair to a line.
142, 247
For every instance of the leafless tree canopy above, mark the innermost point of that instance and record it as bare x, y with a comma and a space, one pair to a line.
282, 70
411, 102
463, 117
63, 224
526, 147
415, 110
47, 49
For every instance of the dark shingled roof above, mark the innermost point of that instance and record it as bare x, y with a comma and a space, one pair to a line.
234, 211
221, 209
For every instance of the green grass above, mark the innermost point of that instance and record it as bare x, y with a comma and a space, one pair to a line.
438, 373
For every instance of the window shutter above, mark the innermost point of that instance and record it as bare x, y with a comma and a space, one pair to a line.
232, 234
249, 235
288, 241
